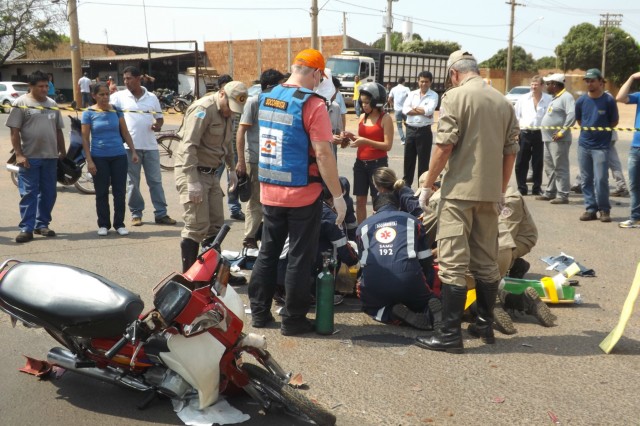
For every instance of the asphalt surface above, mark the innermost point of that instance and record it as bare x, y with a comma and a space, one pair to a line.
367, 373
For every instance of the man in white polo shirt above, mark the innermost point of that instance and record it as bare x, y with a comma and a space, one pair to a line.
397, 96
419, 108
142, 127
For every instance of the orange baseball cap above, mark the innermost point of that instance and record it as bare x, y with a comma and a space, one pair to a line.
310, 58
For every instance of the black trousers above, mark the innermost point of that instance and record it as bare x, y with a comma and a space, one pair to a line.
418, 143
531, 150
302, 226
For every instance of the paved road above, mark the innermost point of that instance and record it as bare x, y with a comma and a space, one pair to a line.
370, 374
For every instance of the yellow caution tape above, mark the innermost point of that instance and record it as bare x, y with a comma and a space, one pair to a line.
627, 309
84, 109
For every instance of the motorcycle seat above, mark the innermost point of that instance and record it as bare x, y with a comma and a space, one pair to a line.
71, 300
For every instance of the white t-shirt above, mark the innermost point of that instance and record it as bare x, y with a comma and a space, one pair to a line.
85, 85
139, 124
399, 94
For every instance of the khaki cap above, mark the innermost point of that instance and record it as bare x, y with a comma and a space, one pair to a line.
237, 94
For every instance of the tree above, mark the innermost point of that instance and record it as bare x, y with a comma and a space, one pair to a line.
546, 62
435, 47
582, 48
520, 60
27, 21
396, 41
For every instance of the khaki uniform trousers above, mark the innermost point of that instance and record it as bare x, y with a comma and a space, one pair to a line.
202, 220
468, 241
254, 206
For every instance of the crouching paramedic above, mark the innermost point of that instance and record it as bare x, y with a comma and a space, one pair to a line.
395, 263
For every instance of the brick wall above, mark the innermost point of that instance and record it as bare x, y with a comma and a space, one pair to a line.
246, 64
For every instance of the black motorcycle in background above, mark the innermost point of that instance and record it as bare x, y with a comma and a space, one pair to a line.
166, 98
183, 101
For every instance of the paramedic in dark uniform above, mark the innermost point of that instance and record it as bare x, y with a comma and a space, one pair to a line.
205, 143
295, 153
394, 258
477, 142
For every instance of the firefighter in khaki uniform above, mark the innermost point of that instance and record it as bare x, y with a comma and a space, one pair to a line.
206, 134
477, 142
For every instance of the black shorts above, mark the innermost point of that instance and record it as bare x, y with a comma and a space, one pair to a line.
363, 173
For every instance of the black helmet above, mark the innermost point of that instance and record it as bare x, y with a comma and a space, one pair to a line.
68, 171
377, 92
244, 188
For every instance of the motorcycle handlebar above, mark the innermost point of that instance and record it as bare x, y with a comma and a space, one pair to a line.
116, 348
221, 235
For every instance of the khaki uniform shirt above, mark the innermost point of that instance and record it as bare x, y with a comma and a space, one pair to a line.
482, 126
206, 138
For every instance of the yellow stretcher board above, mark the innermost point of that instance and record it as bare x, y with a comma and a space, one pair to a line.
627, 309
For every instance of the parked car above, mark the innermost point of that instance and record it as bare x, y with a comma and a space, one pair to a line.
516, 93
9, 92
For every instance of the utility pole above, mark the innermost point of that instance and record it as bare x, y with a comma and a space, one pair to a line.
76, 60
513, 5
388, 26
608, 20
314, 24
345, 41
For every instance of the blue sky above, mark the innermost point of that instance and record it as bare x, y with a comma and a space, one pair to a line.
481, 27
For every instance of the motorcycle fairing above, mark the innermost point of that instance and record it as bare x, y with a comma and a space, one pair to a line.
197, 360
68, 299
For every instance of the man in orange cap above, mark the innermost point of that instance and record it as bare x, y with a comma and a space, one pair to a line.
295, 156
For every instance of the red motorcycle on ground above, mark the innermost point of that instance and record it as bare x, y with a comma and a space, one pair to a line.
190, 345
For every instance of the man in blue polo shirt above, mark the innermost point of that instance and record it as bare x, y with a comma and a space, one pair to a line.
634, 154
595, 109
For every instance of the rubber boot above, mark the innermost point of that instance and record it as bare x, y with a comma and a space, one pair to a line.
530, 303
448, 338
501, 318
485, 300
189, 249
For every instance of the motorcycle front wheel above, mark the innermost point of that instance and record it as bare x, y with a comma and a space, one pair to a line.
277, 391
180, 106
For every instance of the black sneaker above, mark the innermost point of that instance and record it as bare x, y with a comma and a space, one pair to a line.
236, 280
421, 321
519, 269
296, 327
536, 307
45, 232
262, 322
238, 216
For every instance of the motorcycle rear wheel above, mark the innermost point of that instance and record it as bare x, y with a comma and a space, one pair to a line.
275, 390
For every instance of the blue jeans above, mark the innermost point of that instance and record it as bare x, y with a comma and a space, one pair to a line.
37, 188
594, 173
150, 161
356, 106
86, 99
232, 197
634, 182
400, 117
112, 171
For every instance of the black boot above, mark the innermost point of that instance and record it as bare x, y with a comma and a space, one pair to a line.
448, 338
189, 249
519, 269
485, 300
530, 303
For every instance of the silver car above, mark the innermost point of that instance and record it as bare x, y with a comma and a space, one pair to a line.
10, 91
516, 93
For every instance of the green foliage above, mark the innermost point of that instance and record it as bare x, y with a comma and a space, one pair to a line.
48, 39
435, 47
582, 48
520, 60
27, 21
546, 62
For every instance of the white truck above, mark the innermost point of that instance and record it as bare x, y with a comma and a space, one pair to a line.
386, 67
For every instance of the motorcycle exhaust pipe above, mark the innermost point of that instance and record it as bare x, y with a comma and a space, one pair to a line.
65, 359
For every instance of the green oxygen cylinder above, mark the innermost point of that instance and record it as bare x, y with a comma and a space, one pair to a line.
325, 288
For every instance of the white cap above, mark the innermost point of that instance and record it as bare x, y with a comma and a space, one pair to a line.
557, 77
